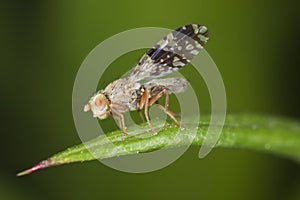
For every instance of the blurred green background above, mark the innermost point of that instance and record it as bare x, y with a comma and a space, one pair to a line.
254, 43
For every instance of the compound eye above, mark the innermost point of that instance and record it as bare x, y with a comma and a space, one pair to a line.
100, 102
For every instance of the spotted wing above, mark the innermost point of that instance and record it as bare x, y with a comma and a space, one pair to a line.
171, 53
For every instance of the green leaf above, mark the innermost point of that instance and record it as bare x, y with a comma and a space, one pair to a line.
268, 134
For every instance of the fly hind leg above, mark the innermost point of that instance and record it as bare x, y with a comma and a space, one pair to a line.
166, 107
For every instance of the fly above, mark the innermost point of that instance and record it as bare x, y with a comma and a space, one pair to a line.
141, 88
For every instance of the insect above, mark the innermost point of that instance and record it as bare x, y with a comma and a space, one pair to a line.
141, 88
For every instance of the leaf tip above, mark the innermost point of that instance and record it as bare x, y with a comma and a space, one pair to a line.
39, 166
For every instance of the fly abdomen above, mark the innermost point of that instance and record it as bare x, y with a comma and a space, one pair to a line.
173, 85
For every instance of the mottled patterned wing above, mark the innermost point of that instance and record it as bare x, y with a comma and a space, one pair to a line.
171, 53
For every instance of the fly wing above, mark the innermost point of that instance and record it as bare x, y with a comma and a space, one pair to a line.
173, 85
171, 53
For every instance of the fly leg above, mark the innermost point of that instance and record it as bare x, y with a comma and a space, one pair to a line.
116, 111
145, 102
120, 118
141, 116
166, 108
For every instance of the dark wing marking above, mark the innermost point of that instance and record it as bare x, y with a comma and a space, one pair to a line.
171, 53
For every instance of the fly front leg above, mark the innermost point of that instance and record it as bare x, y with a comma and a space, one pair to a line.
121, 123
117, 111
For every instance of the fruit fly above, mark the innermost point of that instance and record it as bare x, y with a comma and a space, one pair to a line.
141, 87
